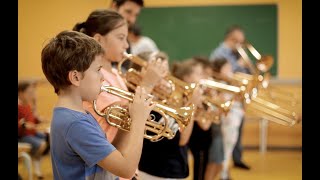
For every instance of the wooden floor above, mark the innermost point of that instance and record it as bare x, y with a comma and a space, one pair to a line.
275, 165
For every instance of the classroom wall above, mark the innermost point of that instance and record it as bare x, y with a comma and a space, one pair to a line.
40, 20
289, 29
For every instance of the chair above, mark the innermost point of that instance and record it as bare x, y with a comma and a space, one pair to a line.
23, 152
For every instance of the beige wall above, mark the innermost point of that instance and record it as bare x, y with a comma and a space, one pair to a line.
39, 20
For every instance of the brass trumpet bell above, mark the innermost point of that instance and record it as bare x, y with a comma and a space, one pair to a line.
265, 63
216, 109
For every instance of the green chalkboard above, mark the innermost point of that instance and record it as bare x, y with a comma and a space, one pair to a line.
183, 32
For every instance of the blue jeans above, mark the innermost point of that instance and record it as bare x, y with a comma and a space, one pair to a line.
34, 140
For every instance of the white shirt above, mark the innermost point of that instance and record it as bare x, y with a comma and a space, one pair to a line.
144, 44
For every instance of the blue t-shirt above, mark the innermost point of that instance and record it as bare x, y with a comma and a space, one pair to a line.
223, 51
77, 145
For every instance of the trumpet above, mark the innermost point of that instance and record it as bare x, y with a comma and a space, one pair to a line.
213, 109
119, 117
223, 106
177, 93
216, 107
242, 91
204, 115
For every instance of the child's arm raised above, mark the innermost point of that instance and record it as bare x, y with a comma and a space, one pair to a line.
124, 161
186, 133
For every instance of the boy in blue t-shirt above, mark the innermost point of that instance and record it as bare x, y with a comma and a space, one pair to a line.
79, 148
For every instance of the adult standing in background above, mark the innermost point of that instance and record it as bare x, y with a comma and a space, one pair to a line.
129, 10
228, 50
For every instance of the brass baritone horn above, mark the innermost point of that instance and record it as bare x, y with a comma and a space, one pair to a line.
177, 93
119, 117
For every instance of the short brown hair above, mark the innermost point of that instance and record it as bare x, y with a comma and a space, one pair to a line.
68, 51
101, 21
204, 61
232, 29
184, 68
218, 63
